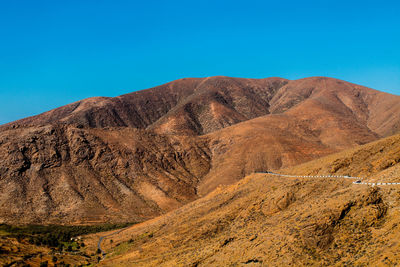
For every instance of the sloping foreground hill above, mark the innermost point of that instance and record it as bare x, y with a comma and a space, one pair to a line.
268, 220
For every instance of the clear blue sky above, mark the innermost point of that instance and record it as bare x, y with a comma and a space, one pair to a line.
56, 52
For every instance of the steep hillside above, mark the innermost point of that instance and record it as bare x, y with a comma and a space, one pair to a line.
268, 220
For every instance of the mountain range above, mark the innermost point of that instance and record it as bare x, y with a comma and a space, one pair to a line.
134, 157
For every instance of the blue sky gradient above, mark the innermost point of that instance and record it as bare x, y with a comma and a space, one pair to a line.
56, 52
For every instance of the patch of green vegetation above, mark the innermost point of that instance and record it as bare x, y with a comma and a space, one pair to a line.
57, 236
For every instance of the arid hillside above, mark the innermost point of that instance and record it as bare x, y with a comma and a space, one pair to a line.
269, 220
136, 156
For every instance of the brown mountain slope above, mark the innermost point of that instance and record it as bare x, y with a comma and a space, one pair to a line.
192, 106
67, 167
138, 109
278, 141
268, 220
63, 174
378, 110
203, 105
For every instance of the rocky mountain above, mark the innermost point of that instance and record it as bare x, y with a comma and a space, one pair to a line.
136, 156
